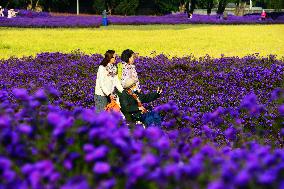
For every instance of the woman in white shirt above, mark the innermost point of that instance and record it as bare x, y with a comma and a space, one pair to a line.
129, 70
107, 80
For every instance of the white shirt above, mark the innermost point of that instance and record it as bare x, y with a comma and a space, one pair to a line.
105, 84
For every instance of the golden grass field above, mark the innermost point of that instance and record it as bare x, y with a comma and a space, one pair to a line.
173, 40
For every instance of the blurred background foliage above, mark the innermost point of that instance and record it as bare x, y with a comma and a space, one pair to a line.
133, 7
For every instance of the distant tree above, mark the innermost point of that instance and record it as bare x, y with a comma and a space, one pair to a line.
127, 7
275, 4
167, 6
209, 5
221, 6
192, 6
99, 6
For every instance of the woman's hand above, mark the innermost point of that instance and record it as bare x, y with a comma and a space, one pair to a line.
112, 97
159, 91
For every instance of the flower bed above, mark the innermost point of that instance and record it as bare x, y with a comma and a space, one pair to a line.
50, 22
94, 21
197, 19
222, 125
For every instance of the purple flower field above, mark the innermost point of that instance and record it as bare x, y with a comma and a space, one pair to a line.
51, 22
222, 128
197, 19
30, 19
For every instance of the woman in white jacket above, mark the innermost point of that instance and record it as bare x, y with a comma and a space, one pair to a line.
107, 80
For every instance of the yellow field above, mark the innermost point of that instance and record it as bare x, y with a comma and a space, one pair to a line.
230, 40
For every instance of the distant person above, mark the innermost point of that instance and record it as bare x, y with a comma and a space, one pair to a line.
263, 15
107, 81
9, 13
12, 13
1, 12
182, 8
190, 6
131, 102
225, 15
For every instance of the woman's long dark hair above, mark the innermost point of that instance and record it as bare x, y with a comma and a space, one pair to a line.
108, 56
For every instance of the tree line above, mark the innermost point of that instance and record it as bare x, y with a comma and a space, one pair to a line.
133, 7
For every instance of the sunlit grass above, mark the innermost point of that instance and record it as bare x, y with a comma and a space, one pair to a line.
174, 40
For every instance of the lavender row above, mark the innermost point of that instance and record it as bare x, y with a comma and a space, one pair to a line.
51, 22
95, 21
196, 19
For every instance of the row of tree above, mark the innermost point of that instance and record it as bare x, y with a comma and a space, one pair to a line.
131, 7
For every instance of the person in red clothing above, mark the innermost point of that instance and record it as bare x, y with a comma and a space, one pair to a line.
263, 15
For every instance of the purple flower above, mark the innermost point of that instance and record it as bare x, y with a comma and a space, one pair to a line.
89, 115
172, 170
196, 141
281, 110
55, 119
138, 132
4, 121
68, 164
96, 153
5, 163
243, 178
217, 185
163, 143
153, 133
250, 103
101, 168
276, 93
207, 150
26, 129
230, 133
21, 94
88, 148
150, 159
192, 170
267, 177
136, 169
35, 178
40, 95
52, 91
26, 169
107, 184
282, 132
78, 182
9, 175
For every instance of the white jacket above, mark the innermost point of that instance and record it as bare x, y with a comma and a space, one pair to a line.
105, 84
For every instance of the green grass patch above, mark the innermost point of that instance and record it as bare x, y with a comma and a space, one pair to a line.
173, 40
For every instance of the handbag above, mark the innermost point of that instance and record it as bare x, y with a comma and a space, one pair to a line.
112, 106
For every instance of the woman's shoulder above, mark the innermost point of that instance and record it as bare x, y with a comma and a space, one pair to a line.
102, 68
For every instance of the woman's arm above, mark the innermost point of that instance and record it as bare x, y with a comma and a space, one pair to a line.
146, 98
104, 81
117, 84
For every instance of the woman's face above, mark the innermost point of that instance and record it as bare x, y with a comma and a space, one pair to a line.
112, 60
131, 59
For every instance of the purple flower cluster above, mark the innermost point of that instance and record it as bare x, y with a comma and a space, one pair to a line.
196, 19
28, 13
50, 22
222, 125
33, 19
33, 14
